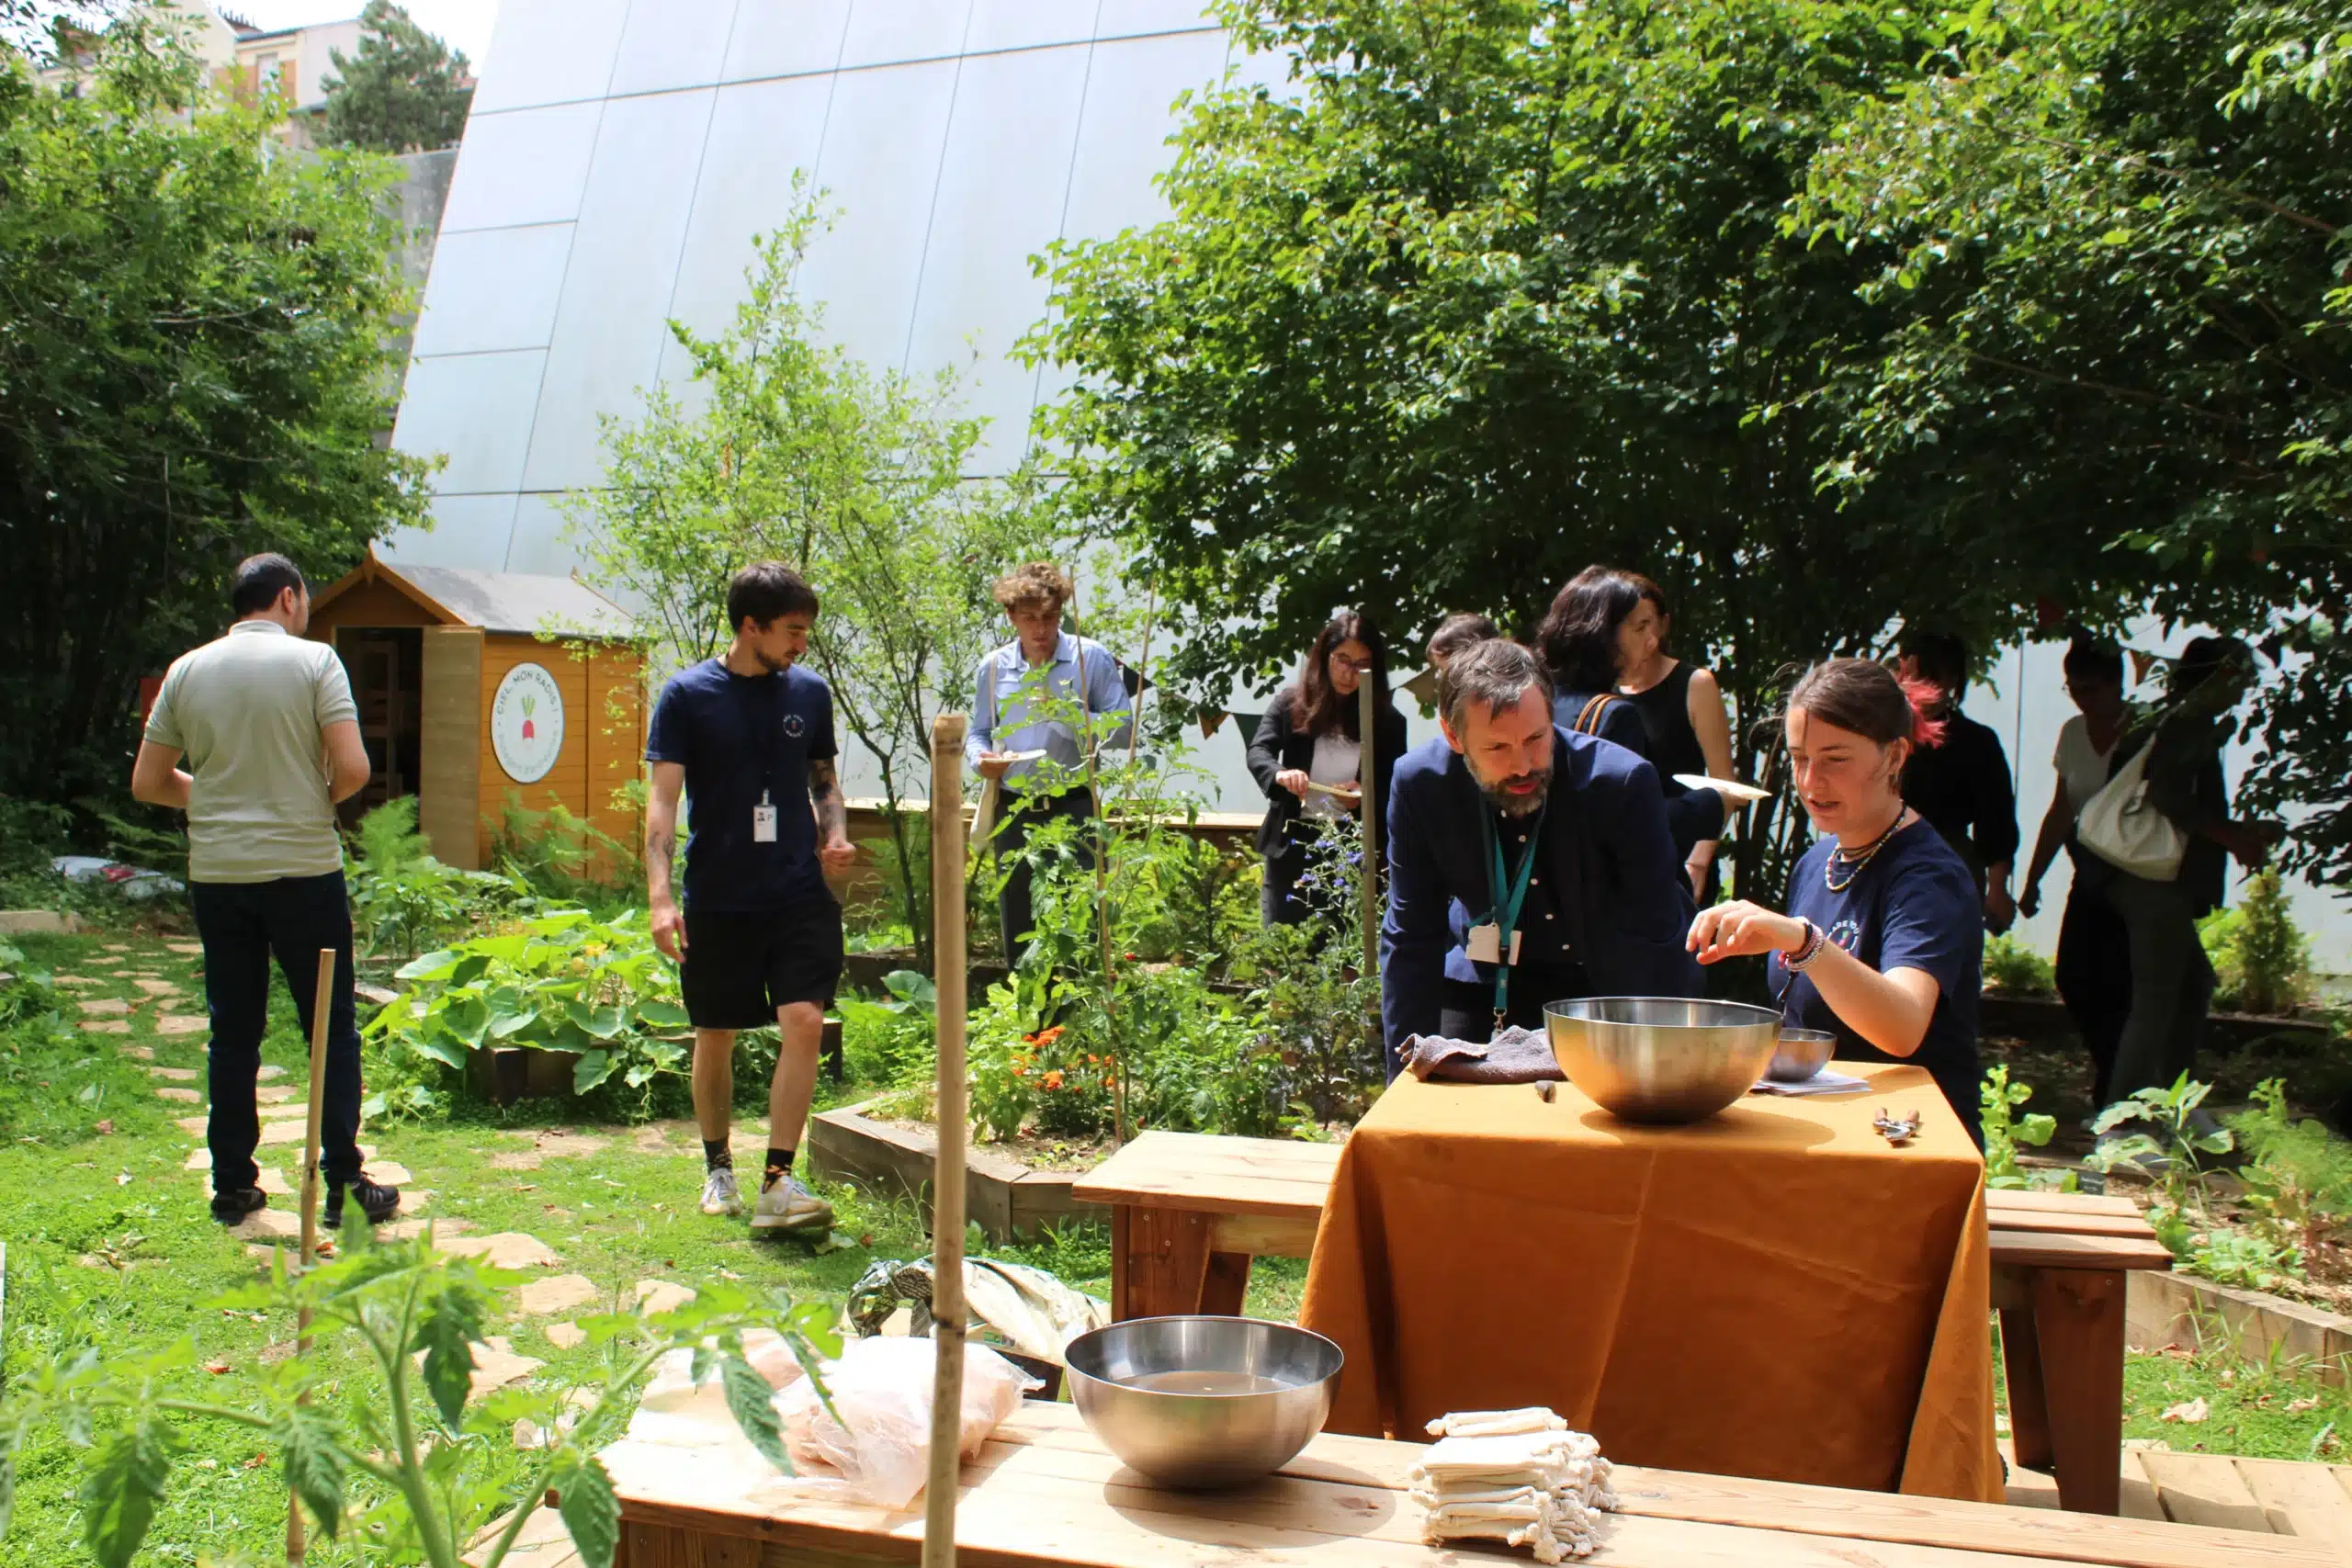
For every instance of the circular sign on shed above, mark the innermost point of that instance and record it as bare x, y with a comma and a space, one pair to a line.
526, 722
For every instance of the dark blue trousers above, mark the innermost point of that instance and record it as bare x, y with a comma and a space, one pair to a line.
244, 926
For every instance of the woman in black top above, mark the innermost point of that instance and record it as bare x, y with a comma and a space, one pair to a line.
1682, 707
1310, 737
1583, 641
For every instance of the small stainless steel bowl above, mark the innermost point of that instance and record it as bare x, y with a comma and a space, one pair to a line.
1802, 1053
1661, 1059
1238, 1397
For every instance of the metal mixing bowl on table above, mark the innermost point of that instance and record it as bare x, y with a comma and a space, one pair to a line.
1201, 1403
1661, 1059
1802, 1053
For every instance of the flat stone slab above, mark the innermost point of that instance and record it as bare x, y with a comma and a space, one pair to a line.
182, 1024
182, 1096
37, 923
271, 1070
103, 1007
496, 1366
105, 1026
391, 1173
192, 949
505, 1249
269, 1224
274, 1134
566, 1335
558, 1293
194, 1127
281, 1109
269, 1182
74, 982
197, 1159
155, 987
173, 1075
137, 1053
514, 1160
272, 1094
410, 1229
654, 1296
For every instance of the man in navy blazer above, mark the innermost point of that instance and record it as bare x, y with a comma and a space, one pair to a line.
1507, 794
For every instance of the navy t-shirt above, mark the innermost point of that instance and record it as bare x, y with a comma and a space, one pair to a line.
1913, 907
739, 736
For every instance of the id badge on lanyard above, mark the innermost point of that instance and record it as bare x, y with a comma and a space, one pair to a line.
1485, 944
764, 821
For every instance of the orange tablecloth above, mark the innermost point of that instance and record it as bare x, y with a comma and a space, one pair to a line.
1775, 1292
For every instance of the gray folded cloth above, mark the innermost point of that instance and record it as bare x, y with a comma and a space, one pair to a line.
1514, 1055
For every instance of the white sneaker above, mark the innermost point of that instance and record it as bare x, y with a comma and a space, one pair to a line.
785, 1205
719, 1192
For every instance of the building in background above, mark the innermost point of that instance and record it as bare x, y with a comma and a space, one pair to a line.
298, 62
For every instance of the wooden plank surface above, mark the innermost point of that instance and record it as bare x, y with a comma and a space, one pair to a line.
2042, 1249
1215, 1175
2204, 1489
1046, 1492
1998, 1199
2302, 1500
1263, 1236
2129, 1227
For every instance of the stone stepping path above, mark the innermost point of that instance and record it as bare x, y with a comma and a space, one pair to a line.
182, 1096
495, 1364
110, 1026
174, 1075
103, 1007
137, 1053
182, 1024
505, 1249
557, 1293
556, 1145
657, 1297
74, 982
155, 987
187, 949
271, 1070
565, 1336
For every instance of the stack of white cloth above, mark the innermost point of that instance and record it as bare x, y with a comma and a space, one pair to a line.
1517, 1476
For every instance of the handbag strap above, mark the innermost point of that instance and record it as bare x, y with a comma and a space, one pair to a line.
1588, 721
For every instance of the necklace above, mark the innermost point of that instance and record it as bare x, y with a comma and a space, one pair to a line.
1853, 861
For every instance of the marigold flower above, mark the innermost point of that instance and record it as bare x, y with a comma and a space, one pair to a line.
1047, 1036
1053, 1078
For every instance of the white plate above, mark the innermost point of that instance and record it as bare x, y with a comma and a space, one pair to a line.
1014, 756
1731, 787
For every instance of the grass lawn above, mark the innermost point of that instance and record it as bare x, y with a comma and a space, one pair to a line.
110, 1241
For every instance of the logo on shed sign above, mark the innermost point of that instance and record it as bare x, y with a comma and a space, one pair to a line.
526, 722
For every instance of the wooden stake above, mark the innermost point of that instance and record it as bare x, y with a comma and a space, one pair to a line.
948, 1309
322, 1008
1367, 813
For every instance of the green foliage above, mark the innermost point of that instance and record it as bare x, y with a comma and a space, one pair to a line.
2261, 961
560, 982
197, 345
562, 856
793, 450
2298, 1181
400, 93
403, 900
2004, 1131
891, 1040
2170, 1144
430, 1448
2011, 965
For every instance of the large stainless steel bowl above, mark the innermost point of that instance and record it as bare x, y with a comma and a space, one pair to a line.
1200, 1403
1661, 1058
1801, 1053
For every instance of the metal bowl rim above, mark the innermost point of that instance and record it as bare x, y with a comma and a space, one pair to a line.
1070, 1365
1560, 1010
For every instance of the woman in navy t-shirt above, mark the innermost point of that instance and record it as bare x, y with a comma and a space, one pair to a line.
1883, 941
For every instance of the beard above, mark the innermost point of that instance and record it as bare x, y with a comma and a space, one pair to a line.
1500, 794
771, 665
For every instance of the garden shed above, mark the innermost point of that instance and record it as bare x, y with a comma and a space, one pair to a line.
478, 687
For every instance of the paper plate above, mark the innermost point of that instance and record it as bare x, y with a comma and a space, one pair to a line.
1016, 756
1731, 787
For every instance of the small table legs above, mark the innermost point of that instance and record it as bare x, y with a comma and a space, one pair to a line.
1162, 1265
2061, 1343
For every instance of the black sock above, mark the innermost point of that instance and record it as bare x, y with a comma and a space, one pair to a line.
779, 1165
717, 1155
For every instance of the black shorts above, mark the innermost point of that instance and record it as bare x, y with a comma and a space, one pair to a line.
740, 968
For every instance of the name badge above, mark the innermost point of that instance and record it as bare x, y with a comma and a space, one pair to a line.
764, 823
1485, 945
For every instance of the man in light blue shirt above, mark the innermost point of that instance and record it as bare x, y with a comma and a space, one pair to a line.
1043, 668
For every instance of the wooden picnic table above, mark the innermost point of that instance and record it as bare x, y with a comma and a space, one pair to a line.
1043, 1491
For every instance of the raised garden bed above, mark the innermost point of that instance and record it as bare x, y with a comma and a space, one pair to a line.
1007, 1199
2036, 1018
2189, 1313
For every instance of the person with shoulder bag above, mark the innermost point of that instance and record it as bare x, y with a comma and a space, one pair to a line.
2161, 827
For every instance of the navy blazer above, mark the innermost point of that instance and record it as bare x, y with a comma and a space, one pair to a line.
1605, 845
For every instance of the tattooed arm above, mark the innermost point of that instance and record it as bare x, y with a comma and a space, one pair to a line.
832, 816
660, 853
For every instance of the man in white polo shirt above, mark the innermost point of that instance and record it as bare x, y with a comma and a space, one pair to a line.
271, 736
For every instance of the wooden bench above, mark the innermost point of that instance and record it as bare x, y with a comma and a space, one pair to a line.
1043, 1491
1189, 1212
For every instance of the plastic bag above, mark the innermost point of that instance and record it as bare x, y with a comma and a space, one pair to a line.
673, 1390
882, 1390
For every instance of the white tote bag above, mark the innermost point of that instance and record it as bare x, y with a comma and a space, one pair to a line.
2123, 827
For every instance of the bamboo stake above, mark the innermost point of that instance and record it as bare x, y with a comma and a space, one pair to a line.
322, 1008
1367, 812
947, 1309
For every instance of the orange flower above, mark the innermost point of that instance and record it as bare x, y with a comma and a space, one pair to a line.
1019, 1071
1053, 1078
1047, 1036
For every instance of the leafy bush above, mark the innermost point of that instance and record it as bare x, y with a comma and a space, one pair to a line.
402, 899
560, 982
2011, 965
2261, 960
2298, 1177
2170, 1148
2004, 1132
565, 858
412, 1469
892, 1040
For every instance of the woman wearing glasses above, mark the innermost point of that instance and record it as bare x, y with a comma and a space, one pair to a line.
1308, 756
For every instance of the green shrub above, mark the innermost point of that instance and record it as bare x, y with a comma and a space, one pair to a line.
891, 1040
2011, 965
2004, 1131
2294, 1166
402, 899
2261, 961
565, 858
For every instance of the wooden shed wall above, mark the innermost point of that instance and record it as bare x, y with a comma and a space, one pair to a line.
369, 604
450, 746
603, 734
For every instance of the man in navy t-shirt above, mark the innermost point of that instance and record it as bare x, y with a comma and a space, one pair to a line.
749, 738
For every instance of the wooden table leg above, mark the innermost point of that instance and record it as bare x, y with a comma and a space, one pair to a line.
2029, 1403
2078, 1329
1227, 1283
1161, 1261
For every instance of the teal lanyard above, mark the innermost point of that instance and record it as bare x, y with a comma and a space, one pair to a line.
1506, 909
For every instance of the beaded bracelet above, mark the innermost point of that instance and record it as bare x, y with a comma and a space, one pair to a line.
1808, 950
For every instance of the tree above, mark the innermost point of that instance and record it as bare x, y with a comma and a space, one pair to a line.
1507, 286
403, 92
2113, 235
793, 450
193, 367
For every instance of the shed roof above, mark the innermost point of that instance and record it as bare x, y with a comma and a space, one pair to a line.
496, 601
